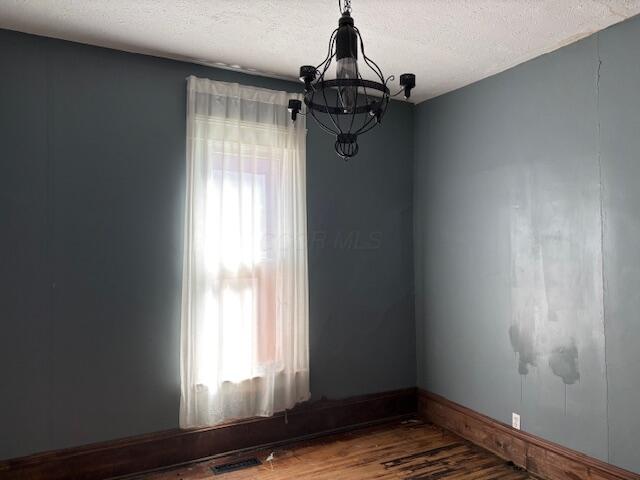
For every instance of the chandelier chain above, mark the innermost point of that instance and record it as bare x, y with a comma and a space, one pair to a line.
346, 7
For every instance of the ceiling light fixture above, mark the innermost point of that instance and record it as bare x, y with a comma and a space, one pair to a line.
348, 105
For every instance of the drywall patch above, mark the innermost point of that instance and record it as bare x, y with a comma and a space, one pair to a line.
556, 280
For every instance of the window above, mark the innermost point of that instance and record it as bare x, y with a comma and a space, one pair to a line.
242, 301
244, 348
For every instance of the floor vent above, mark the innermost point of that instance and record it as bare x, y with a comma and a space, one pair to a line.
233, 466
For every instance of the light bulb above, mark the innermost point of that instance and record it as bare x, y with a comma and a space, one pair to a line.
347, 68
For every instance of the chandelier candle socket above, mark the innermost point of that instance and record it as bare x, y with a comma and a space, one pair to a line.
348, 105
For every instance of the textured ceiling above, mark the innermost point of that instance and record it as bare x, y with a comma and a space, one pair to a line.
446, 43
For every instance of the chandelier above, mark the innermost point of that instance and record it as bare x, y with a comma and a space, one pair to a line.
349, 104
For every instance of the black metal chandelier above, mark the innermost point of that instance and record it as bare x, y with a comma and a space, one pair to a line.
348, 105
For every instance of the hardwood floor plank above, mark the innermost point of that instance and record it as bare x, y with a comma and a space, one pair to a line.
410, 450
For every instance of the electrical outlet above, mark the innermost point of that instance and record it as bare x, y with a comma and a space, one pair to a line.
515, 421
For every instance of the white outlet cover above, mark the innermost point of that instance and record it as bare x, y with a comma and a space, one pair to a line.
515, 421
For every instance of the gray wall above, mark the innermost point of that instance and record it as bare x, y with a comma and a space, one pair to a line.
91, 213
526, 233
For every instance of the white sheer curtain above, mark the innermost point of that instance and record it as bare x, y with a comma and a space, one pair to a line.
244, 327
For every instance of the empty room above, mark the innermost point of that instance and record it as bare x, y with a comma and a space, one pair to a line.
320, 239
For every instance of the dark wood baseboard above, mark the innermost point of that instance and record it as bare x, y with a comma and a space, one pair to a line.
545, 459
172, 447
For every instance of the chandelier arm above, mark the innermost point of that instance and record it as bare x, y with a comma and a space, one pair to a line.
373, 66
327, 64
386, 107
330, 52
364, 86
324, 94
337, 105
332, 41
367, 60
353, 110
363, 128
366, 96
364, 55
371, 127
322, 125
370, 124
312, 110
310, 104
391, 78
320, 78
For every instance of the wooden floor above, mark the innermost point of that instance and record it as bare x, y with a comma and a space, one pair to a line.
406, 450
